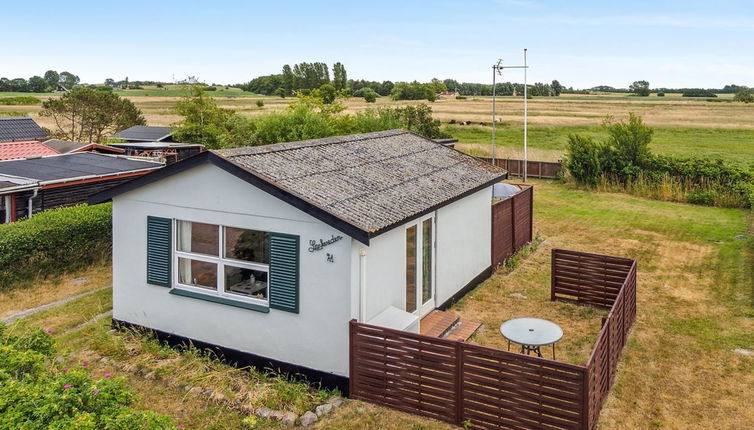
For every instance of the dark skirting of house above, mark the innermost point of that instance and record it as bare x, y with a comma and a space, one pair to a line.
315, 378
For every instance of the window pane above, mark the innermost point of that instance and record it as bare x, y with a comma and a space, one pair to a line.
246, 245
411, 269
246, 282
426, 260
197, 273
198, 238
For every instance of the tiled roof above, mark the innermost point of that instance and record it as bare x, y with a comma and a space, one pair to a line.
144, 133
20, 128
372, 181
14, 150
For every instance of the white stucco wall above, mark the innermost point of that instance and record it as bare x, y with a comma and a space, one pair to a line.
462, 251
464, 242
317, 337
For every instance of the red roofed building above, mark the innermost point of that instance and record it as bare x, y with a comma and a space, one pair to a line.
24, 149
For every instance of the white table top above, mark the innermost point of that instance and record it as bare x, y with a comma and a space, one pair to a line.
531, 331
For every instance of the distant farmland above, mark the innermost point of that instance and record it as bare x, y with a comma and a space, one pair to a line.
719, 128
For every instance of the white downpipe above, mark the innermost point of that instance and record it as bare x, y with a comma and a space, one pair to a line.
362, 285
30, 205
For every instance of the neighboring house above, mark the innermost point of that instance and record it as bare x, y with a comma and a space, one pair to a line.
269, 251
30, 185
21, 128
166, 152
67, 146
24, 149
145, 133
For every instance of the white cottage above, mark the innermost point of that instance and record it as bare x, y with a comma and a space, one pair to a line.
268, 252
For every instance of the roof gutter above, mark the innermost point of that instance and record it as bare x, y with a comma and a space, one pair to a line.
46, 184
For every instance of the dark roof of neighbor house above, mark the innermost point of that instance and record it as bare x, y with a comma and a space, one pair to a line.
73, 165
156, 145
14, 150
363, 184
20, 128
66, 146
144, 133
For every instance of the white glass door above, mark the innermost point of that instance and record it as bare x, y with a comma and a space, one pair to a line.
420, 263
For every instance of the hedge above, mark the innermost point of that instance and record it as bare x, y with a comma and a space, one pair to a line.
54, 242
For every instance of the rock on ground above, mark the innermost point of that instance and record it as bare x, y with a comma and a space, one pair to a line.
323, 409
289, 419
308, 419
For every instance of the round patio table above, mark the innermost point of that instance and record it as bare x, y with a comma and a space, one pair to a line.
532, 334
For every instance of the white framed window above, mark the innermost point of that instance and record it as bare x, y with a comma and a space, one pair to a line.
223, 261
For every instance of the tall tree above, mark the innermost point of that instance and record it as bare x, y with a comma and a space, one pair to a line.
52, 78
340, 79
640, 88
68, 80
557, 88
90, 115
37, 84
288, 80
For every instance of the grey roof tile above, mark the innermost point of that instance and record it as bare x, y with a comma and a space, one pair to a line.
144, 133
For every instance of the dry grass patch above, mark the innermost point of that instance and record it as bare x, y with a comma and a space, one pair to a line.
51, 290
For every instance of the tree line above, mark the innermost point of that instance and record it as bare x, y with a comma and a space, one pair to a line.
50, 81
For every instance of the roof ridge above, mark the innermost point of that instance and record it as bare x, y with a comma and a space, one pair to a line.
307, 143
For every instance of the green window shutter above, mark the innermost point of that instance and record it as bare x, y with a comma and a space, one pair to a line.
159, 250
284, 272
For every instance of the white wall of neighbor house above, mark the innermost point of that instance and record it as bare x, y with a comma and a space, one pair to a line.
463, 251
316, 337
464, 238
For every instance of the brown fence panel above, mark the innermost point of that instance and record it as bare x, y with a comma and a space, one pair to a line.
589, 279
535, 169
522, 217
603, 362
512, 224
405, 371
502, 231
502, 390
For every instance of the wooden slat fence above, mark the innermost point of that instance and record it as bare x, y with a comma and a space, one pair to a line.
535, 169
511, 224
458, 382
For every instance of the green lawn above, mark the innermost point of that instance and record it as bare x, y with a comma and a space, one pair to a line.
734, 145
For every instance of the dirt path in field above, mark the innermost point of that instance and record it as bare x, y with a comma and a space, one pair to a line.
34, 310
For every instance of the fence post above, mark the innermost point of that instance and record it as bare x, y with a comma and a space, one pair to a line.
513, 224
351, 366
531, 213
552, 274
459, 382
585, 406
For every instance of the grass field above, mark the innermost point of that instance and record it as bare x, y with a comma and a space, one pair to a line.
679, 369
684, 126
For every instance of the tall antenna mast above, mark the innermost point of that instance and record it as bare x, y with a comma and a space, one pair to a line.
526, 112
497, 69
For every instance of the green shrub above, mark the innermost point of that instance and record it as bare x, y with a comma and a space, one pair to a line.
583, 159
12, 113
698, 92
36, 395
54, 242
260, 103
210, 88
19, 100
461, 97
700, 198
660, 94
370, 96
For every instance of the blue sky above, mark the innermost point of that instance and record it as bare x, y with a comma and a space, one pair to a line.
580, 43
